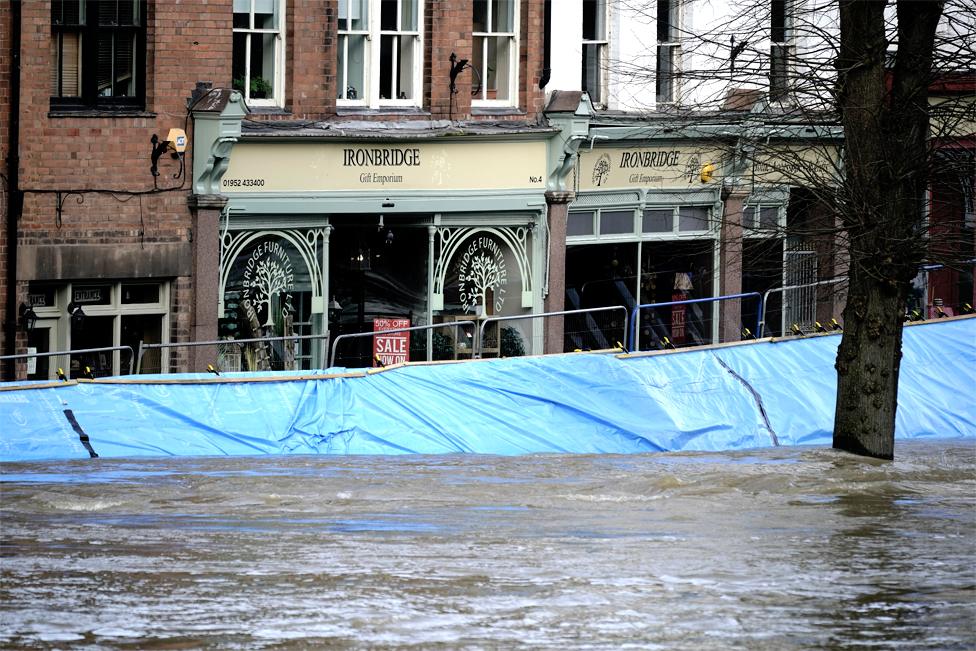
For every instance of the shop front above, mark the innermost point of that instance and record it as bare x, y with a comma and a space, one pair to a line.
323, 238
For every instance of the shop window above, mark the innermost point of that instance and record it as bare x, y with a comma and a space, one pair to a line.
380, 53
616, 222
781, 48
80, 316
258, 62
580, 223
595, 47
760, 218
689, 219
495, 52
657, 220
668, 50
692, 218
98, 54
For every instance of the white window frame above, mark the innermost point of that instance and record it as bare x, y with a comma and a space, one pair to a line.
278, 88
673, 45
369, 96
637, 233
515, 54
57, 318
755, 228
602, 46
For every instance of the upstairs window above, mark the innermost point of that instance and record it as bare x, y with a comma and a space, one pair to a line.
258, 61
98, 54
595, 49
495, 53
780, 48
380, 53
668, 50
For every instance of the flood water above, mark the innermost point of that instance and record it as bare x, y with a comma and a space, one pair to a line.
788, 548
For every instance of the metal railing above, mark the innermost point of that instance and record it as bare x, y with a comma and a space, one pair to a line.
516, 317
71, 353
143, 347
761, 327
352, 335
635, 314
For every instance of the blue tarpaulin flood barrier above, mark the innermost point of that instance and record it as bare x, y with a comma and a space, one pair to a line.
754, 394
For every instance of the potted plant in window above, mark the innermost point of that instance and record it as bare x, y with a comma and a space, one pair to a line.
260, 88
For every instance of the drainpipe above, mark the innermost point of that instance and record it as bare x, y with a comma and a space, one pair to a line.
15, 198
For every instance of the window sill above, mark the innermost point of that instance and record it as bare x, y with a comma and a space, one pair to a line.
496, 110
267, 110
100, 113
383, 110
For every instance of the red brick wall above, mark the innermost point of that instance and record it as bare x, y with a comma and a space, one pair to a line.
5, 70
107, 156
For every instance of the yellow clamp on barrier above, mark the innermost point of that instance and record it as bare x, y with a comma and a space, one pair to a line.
211, 369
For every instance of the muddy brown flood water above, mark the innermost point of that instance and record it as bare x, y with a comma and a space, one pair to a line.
786, 548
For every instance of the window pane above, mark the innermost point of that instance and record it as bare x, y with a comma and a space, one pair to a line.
749, 217
92, 294
594, 13
665, 68
65, 66
66, 12
405, 74
262, 65
239, 61
387, 47
777, 28
388, 15
592, 72
579, 223
616, 222
693, 218
140, 293
663, 21
124, 70
242, 20
768, 217
408, 15
499, 67
352, 60
265, 15
480, 19
659, 220
103, 76
353, 15
502, 15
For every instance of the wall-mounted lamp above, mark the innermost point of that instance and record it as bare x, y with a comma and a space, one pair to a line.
28, 317
457, 65
76, 313
176, 142
335, 311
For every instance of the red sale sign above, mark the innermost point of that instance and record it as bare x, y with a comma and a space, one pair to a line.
391, 348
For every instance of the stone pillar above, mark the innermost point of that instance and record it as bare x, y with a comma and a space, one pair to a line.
557, 203
730, 265
205, 251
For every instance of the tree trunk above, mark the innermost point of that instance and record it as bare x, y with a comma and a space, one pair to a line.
885, 117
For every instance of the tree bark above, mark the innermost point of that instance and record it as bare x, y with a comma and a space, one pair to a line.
885, 117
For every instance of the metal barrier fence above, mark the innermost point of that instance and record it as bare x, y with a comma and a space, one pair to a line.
433, 326
97, 365
586, 335
231, 354
665, 330
761, 327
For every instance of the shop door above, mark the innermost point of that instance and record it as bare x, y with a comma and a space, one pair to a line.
92, 332
41, 340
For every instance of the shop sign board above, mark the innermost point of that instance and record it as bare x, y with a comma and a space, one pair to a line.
666, 166
384, 167
391, 348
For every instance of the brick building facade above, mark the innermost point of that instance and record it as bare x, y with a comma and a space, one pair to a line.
97, 232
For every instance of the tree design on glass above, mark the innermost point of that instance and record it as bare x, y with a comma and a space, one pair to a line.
270, 280
483, 275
